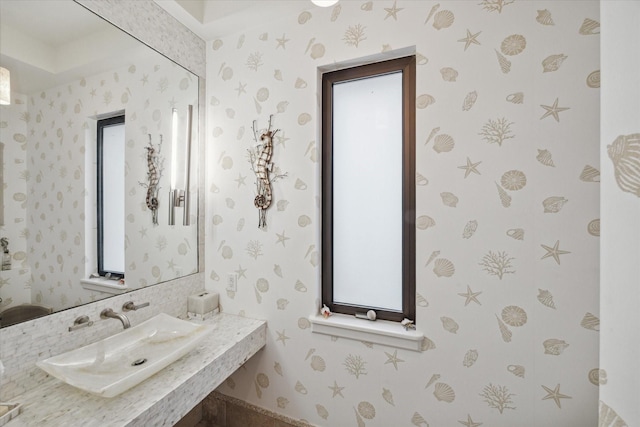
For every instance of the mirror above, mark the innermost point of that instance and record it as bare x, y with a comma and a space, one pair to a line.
68, 69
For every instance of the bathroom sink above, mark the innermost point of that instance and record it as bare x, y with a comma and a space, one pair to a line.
117, 363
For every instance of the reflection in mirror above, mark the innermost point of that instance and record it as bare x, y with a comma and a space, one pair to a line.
177, 197
69, 68
110, 212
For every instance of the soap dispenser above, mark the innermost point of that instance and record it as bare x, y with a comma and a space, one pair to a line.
6, 256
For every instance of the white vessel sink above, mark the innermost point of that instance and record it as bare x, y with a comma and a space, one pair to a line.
117, 363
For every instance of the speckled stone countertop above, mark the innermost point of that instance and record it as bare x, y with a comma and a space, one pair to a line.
161, 400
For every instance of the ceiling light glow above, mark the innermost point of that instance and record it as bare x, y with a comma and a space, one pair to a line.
324, 3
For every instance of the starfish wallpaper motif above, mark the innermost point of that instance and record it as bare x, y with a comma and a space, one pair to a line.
553, 110
470, 39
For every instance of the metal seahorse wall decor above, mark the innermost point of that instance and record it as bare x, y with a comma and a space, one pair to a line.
155, 166
262, 166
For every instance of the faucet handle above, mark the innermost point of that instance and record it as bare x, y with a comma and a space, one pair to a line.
130, 306
81, 322
106, 313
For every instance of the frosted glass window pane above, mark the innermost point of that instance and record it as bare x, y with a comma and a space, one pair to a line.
367, 192
113, 198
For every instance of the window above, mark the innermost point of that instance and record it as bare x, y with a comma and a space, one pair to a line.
110, 206
368, 189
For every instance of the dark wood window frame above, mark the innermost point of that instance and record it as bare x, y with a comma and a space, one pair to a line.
406, 65
102, 124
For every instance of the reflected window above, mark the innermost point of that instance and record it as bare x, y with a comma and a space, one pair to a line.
110, 203
368, 189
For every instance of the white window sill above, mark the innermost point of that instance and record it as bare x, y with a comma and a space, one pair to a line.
106, 286
382, 332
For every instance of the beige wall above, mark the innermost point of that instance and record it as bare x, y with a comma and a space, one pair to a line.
13, 133
620, 275
472, 62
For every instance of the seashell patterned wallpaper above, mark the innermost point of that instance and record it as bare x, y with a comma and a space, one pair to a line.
13, 134
46, 135
507, 213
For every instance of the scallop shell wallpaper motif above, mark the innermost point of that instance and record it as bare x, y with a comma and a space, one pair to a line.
483, 70
443, 19
444, 393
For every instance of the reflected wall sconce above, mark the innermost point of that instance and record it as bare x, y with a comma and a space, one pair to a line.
177, 197
5, 86
324, 3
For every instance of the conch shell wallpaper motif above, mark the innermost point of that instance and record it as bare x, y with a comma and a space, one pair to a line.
505, 125
544, 17
553, 62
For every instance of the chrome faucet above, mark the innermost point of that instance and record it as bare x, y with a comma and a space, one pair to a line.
108, 313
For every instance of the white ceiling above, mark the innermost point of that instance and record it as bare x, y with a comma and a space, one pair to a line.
42, 19
211, 19
46, 42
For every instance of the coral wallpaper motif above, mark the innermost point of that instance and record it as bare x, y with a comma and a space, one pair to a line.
507, 218
51, 134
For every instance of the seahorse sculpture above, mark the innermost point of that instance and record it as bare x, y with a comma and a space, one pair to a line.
154, 172
262, 167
